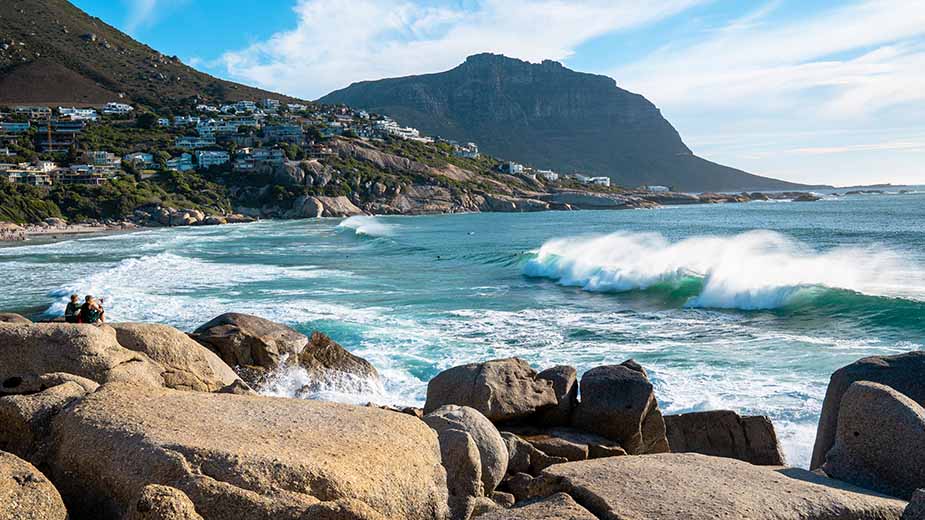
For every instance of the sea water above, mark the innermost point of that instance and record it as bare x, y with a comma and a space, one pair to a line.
747, 307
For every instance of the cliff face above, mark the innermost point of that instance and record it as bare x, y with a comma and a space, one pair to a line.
550, 117
51, 52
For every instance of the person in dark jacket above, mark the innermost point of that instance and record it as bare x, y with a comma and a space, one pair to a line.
92, 311
72, 311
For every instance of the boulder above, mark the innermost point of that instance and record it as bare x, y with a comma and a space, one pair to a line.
903, 372
331, 367
162, 503
246, 457
569, 443
25, 420
460, 457
694, 486
251, 344
339, 207
10, 317
33, 384
879, 441
916, 508
187, 365
618, 402
524, 457
556, 507
25, 494
83, 350
493, 452
565, 385
724, 433
502, 389
306, 206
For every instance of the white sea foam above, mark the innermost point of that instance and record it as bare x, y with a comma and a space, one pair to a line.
753, 270
369, 226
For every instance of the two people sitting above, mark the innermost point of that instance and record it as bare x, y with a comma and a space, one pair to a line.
90, 312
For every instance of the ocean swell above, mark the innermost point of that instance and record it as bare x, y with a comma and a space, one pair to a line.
750, 271
369, 226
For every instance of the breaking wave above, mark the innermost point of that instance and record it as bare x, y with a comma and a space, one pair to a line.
751, 271
369, 226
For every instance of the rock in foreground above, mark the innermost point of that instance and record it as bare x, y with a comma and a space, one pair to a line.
246, 457
331, 367
25, 494
723, 433
694, 487
557, 507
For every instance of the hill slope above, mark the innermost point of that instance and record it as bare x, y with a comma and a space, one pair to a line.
51, 52
549, 116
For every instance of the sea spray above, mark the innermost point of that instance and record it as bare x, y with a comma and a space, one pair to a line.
369, 226
749, 271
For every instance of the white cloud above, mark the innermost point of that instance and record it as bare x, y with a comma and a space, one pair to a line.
141, 13
336, 43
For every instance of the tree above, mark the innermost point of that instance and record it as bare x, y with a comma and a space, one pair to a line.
147, 120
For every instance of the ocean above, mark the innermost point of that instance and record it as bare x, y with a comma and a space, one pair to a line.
747, 307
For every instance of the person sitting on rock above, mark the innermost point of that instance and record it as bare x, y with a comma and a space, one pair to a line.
72, 311
92, 312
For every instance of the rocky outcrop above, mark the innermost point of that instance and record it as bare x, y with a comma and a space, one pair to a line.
568, 444
25, 420
306, 207
339, 207
694, 486
723, 433
330, 367
187, 365
82, 350
565, 385
594, 200
246, 457
879, 430
10, 317
493, 452
25, 493
524, 457
559, 506
251, 344
502, 389
618, 402
901, 372
463, 465
162, 503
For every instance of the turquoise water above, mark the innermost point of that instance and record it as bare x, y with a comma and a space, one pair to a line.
745, 306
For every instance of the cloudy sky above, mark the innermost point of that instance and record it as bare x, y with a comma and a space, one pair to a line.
806, 90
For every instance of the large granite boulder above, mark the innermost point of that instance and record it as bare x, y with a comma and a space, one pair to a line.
187, 365
331, 367
25, 420
25, 493
162, 503
13, 318
246, 457
903, 372
493, 452
695, 487
83, 350
250, 344
618, 402
463, 465
879, 441
559, 506
723, 433
524, 457
501, 389
565, 385
568, 443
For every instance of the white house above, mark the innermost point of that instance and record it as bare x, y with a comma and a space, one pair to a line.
102, 158
163, 122
657, 189
117, 108
184, 163
468, 151
512, 167
549, 175
144, 160
191, 143
78, 114
600, 181
207, 159
296, 107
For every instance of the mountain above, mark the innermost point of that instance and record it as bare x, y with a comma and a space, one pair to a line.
52, 53
548, 116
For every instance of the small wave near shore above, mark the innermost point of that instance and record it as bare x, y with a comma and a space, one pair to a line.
755, 270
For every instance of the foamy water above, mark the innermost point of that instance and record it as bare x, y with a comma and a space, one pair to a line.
747, 307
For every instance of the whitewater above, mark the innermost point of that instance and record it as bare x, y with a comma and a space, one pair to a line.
747, 307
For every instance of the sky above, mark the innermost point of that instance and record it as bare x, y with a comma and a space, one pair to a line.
813, 91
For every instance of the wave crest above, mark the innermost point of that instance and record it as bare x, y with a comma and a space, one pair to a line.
749, 271
369, 226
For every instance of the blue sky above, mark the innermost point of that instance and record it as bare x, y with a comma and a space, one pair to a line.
813, 91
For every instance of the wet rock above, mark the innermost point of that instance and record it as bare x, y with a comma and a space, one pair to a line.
246, 457
493, 452
250, 344
724, 433
187, 364
331, 367
618, 402
694, 486
501, 389
903, 372
877, 443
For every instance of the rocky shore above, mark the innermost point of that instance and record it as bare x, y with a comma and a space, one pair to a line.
143, 421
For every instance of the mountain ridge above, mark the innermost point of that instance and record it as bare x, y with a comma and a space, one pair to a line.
549, 116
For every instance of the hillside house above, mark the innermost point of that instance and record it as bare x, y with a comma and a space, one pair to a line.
183, 163
191, 142
467, 151
102, 158
139, 159
117, 109
511, 167
63, 135
78, 114
284, 133
33, 112
209, 158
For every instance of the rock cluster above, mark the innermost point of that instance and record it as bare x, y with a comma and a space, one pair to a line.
159, 216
